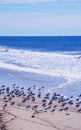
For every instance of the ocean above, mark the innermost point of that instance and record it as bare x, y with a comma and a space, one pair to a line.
54, 62
45, 44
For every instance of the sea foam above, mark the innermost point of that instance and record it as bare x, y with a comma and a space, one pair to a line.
53, 64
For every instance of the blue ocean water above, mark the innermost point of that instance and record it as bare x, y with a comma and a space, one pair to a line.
51, 44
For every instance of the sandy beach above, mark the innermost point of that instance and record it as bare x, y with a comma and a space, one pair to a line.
20, 119
19, 111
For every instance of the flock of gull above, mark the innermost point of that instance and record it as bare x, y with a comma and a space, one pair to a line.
31, 98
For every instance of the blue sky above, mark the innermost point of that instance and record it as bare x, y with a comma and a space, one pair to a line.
40, 17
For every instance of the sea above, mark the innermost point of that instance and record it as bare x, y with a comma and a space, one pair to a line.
50, 61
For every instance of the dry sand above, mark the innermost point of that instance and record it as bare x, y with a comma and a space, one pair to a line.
19, 118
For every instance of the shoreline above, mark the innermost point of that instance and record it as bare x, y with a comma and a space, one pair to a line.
62, 85
27, 79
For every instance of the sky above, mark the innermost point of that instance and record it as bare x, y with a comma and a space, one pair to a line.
40, 17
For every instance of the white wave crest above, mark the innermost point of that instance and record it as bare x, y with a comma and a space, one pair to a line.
53, 64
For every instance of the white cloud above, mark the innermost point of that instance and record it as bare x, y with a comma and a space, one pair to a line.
31, 1
23, 1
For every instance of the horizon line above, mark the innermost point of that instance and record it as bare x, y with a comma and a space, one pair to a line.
39, 35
